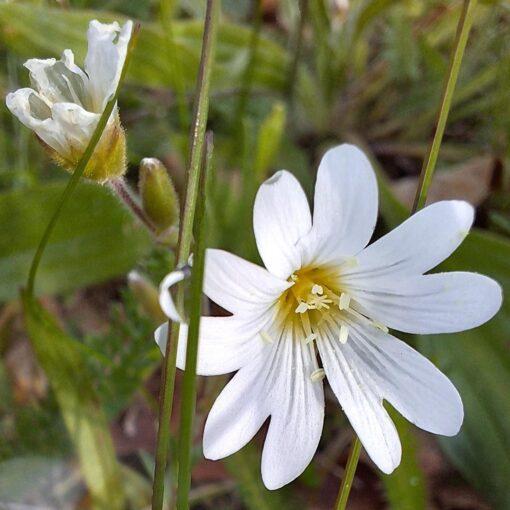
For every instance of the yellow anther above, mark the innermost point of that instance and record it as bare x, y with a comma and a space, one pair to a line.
344, 301
318, 375
294, 277
302, 307
344, 334
317, 289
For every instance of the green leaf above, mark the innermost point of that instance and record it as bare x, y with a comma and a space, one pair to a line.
24, 29
94, 240
61, 357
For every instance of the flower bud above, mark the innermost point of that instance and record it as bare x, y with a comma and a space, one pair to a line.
159, 198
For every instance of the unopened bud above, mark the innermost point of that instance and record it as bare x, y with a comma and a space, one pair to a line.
159, 198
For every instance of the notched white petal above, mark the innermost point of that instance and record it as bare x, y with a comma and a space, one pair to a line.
433, 303
345, 206
417, 245
240, 286
360, 401
281, 217
406, 379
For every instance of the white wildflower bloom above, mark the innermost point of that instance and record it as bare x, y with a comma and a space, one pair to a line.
64, 104
326, 295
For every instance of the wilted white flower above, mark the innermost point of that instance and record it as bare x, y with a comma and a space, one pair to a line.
326, 292
65, 103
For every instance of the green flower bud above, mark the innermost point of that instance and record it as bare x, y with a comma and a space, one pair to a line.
159, 198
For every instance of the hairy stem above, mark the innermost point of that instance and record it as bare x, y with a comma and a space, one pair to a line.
124, 193
189, 383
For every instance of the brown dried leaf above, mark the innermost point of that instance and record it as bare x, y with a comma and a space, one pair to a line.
469, 181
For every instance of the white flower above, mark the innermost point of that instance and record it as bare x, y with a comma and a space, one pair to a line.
325, 292
65, 103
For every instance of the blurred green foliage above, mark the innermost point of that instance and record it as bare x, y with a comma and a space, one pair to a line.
373, 74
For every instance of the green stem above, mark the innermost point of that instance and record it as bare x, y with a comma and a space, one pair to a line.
350, 470
429, 164
197, 134
80, 168
189, 383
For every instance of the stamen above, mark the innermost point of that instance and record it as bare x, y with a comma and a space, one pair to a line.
265, 336
294, 277
318, 375
317, 289
375, 324
302, 307
344, 334
344, 301
319, 302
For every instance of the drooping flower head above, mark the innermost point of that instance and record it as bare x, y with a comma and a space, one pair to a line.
64, 104
326, 297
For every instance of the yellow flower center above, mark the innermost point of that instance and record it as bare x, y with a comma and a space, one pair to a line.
316, 296
318, 301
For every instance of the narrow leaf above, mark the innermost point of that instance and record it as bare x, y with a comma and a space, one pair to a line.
61, 359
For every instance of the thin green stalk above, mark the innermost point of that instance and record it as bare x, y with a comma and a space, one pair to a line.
166, 18
429, 164
189, 383
350, 470
294, 64
197, 134
80, 168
